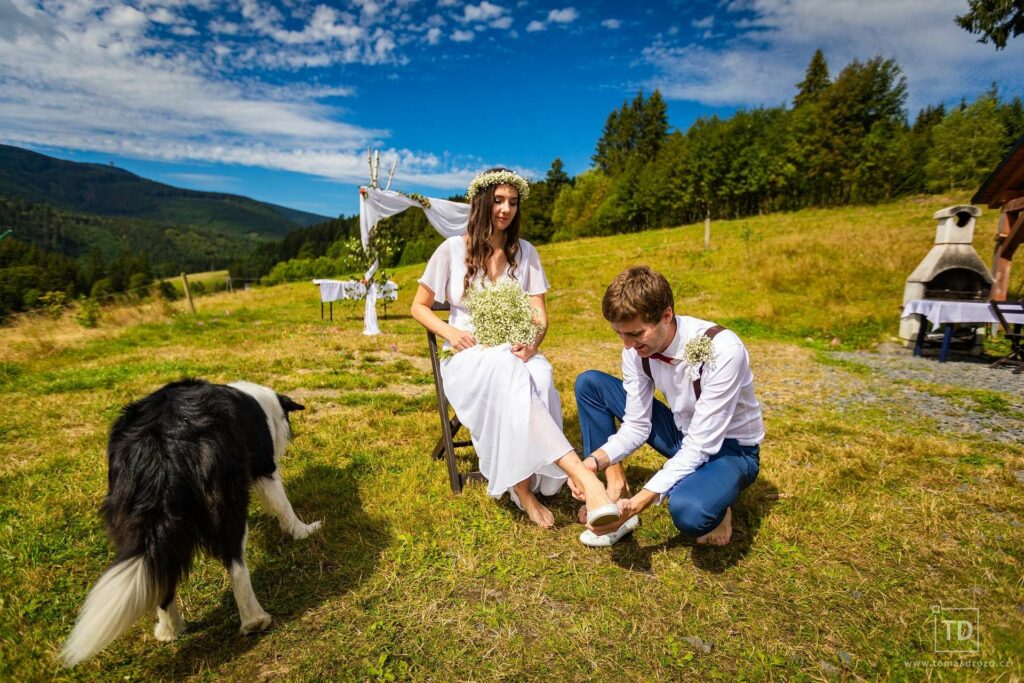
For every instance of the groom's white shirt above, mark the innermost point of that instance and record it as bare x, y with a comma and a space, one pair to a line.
727, 408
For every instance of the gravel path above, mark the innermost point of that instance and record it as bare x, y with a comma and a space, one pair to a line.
966, 396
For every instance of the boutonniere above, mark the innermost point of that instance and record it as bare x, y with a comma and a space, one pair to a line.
699, 350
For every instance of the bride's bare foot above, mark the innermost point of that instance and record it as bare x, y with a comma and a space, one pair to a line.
537, 513
721, 534
616, 488
613, 494
586, 482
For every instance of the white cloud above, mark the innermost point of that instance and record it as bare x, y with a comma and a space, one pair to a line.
563, 16
433, 35
706, 22
559, 16
447, 3
462, 36
611, 23
162, 15
762, 61
106, 78
485, 11
226, 27
502, 23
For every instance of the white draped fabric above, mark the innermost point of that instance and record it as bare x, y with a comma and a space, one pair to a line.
448, 218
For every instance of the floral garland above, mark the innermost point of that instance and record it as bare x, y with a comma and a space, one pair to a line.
417, 197
485, 180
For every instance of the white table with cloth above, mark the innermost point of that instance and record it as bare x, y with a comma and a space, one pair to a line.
349, 290
948, 313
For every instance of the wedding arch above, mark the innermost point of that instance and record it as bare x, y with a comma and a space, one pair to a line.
447, 217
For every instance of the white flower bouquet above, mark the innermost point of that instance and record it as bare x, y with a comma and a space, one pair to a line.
502, 314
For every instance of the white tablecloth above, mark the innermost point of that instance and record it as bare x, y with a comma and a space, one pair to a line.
339, 290
939, 313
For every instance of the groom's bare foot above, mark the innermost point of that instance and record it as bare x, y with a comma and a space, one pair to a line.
537, 513
721, 534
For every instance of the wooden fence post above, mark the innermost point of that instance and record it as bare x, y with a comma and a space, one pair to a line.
188, 295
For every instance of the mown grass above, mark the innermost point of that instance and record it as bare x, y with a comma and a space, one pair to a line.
863, 517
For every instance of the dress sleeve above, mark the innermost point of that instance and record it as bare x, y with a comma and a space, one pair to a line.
534, 281
438, 273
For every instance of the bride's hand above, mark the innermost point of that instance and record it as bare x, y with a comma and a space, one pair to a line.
523, 352
461, 339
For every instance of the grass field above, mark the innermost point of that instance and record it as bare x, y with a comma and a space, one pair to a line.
210, 277
859, 523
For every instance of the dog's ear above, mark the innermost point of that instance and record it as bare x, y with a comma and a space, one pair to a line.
288, 405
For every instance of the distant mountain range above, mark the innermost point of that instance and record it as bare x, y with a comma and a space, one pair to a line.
109, 191
101, 214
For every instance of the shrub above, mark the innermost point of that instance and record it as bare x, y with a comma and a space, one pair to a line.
101, 288
54, 303
167, 291
88, 314
137, 285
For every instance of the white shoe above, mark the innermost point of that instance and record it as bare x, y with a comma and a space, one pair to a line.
604, 515
591, 539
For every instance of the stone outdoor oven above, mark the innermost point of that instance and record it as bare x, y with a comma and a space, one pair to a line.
952, 270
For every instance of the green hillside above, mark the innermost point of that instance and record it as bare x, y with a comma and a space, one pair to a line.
110, 191
878, 498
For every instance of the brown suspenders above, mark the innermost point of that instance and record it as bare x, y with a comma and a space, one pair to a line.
710, 334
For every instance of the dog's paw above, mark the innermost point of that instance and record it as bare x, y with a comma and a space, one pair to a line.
258, 623
166, 631
303, 530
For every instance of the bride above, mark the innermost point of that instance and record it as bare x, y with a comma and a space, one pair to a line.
504, 395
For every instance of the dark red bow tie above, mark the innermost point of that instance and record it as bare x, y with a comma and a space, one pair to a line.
664, 359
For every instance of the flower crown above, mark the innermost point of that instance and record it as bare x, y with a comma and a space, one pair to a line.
491, 178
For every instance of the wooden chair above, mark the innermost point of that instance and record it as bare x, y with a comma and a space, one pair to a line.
1011, 331
450, 426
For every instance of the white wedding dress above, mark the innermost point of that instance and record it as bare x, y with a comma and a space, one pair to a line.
511, 408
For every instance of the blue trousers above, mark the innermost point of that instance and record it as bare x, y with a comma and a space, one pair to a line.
698, 502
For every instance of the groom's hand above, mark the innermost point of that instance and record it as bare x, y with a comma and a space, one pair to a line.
577, 493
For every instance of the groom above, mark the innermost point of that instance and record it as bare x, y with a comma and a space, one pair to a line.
710, 430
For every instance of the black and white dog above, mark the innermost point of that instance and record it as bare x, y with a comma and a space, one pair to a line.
181, 462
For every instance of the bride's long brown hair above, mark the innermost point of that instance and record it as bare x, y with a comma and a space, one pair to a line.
480, 230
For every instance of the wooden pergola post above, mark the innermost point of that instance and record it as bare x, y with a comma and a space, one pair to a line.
1009, 236
1004, 190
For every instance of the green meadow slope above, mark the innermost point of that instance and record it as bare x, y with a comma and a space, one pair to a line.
865, 516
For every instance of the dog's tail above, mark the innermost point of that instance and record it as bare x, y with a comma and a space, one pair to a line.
121, 597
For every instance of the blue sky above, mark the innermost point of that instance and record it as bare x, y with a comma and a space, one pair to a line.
279, 100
